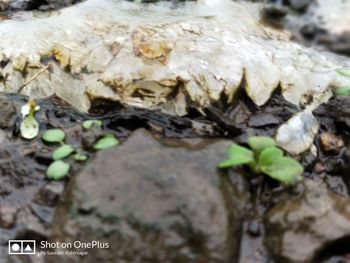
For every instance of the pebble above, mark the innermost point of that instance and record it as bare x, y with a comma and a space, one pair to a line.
331, 142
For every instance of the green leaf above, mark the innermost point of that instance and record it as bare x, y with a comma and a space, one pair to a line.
62, 152
259, 143
342, 91
53, 135
237, 155
344, 72
88, 124
80, 157
57, 170
29, 127
106, 142
269, 155
284, 169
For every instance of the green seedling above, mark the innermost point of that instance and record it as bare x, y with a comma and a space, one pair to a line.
264, 157
62, 152
29, 127
89, 123
80, 157
54, 135
107, 141
59, 168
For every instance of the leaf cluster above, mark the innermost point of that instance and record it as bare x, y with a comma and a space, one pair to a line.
60, 168
264, 157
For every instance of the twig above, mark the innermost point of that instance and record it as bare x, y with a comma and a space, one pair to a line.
37, 74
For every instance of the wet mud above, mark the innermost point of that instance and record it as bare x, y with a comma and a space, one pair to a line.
34, 207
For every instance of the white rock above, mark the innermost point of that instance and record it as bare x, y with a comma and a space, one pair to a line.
298, 133
150, 56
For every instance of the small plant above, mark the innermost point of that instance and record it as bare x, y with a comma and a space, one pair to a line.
106, 142
343, 90
264, 157
89, 123
58, 169
29, 128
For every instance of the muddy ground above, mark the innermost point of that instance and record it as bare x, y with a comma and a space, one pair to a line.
185, 210
158, 197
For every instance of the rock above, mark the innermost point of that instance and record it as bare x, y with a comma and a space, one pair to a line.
297, 135
156, 203
298, 229
19, 181
299, 4
3, 137
7, 216
7, 112
43, 213
13, 169
331, 16
263, 119
6, 5
158, 58
50, 194
331, 142
338, 109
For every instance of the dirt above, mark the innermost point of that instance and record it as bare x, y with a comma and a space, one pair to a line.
40, 204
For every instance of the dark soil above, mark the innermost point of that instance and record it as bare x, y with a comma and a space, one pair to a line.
23, 163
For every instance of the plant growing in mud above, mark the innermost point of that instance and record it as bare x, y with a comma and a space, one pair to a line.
60, 168
29, 128
343, 90
264, 157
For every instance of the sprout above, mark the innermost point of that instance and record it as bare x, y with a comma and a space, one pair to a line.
264, 157
29, 127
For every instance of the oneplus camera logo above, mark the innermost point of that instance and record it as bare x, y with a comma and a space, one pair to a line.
21, 247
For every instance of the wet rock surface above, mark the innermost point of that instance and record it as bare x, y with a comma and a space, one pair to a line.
180, 211
304, 228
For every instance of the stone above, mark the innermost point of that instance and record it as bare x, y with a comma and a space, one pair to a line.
161, 57
263, 119
338, 109
7, 216
331, 142
10, 5
298, 133
7, 112
153, 202
299, 228
50, 194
